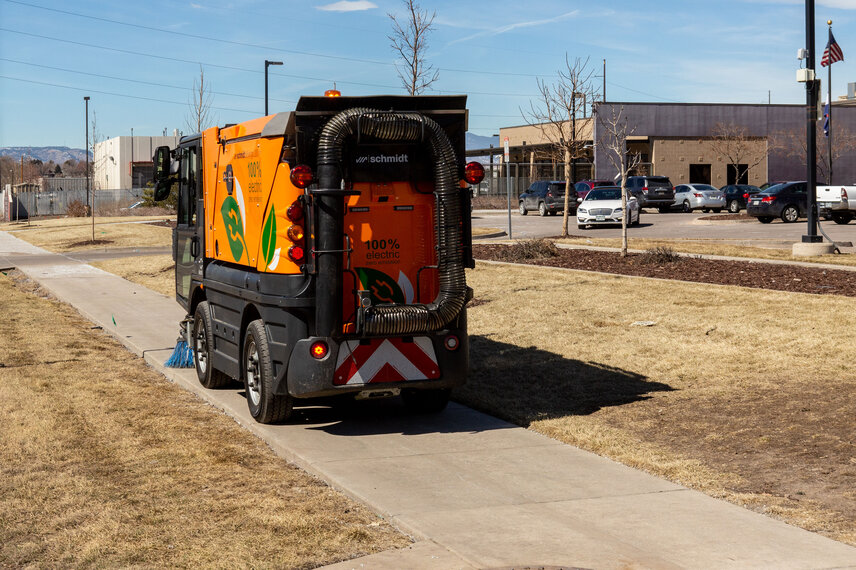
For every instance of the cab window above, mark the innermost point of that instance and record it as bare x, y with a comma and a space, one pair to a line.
187, 187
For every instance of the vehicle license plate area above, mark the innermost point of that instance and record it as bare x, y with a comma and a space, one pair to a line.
600, 218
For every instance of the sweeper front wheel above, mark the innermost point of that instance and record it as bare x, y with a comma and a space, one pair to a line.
203, 347
265, 406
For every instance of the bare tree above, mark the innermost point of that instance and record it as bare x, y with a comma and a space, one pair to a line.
742, 152
409, 40
613, 138
555, 116
792, 144
199, 113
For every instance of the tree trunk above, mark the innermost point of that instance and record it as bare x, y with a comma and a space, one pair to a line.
568, 187
624, 213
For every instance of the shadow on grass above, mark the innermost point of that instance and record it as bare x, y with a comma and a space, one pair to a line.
526, 384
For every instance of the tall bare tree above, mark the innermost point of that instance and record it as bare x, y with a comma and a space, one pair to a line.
199, 113
613, 137
741, 151
555, 115
409, 40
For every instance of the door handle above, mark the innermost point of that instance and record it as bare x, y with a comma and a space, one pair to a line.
194, 247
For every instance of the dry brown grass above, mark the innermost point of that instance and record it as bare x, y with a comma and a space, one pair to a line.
104, 463
743, 394
74, 234
712, 247
157, 272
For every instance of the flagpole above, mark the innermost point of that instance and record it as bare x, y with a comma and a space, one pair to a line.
829, 110
811, 129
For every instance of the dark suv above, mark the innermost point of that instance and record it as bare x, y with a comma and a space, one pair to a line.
652, 191
788, 201
547, 196
737, 196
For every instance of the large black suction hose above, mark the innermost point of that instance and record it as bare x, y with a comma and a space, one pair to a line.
392, 319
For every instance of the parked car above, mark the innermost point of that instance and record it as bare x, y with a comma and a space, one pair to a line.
546, 196
602, 206
737, 195
704, 197
788, 201
652, 191
583, 186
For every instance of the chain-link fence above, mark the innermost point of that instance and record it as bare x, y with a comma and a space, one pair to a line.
522, 174
21, 205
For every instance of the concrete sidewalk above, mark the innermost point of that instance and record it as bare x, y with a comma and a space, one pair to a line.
474, 491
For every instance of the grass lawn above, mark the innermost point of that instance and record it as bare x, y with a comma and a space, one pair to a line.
104, 463
62, 235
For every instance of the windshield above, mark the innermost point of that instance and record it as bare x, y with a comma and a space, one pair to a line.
557, 187
774, 189
706, 188
661, 181
604, 194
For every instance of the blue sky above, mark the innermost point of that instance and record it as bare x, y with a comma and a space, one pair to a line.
138, 60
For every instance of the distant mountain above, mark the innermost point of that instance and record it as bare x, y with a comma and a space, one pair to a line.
478, 141
58, 154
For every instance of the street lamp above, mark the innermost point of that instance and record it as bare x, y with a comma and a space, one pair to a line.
268, 64
86, 100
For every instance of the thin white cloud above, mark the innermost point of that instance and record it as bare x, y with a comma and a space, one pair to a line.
518, 25
348, 6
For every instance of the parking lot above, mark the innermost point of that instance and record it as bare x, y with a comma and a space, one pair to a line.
673, 225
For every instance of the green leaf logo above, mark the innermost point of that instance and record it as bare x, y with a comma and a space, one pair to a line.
234, 227
381, 287
269, 237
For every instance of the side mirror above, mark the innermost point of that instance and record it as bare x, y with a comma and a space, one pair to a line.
163, 182
579, 200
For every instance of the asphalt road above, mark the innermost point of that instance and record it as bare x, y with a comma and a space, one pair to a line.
669, 226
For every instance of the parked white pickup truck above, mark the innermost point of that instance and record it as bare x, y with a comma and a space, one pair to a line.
837, 202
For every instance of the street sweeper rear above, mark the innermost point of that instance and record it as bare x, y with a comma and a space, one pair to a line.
321, 252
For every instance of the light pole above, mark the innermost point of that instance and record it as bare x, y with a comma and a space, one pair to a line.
268, 64
811, 89
86, 124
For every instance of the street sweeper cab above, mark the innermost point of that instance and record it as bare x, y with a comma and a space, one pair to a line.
321, 252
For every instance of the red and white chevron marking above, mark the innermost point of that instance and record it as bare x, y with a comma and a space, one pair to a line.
386, 360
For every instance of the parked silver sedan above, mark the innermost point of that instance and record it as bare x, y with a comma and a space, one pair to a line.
704, 197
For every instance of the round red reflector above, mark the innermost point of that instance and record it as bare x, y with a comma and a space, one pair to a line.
332, 93
474, 172
452, 342
295, 212
319, 349
295, 254
295, 234
301, 176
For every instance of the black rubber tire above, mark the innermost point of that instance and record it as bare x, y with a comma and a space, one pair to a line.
522, 209
542, 209
734, 206
638, 218
257, 367
717, 210
765, 219
663, 209
790, 214
553, 213
425, 401
842, 218
203, 347
704, 210
582, 227
686, 207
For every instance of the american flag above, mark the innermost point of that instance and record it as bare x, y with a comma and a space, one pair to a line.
832, 53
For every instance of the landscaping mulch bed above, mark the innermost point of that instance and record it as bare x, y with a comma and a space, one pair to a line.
780, 277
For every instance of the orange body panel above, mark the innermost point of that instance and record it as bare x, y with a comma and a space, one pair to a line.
247, 193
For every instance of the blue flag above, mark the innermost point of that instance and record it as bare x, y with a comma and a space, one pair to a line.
826, 119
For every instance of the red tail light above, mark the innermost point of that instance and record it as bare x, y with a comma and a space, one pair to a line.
746, 196
296, 254
451, 342
319, 349
768, 199
473, 172
295, 212
644, 189
698, 195
843, 195
302, 176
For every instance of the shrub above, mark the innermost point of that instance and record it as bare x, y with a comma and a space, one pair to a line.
660, 255
76, 209
529, 249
